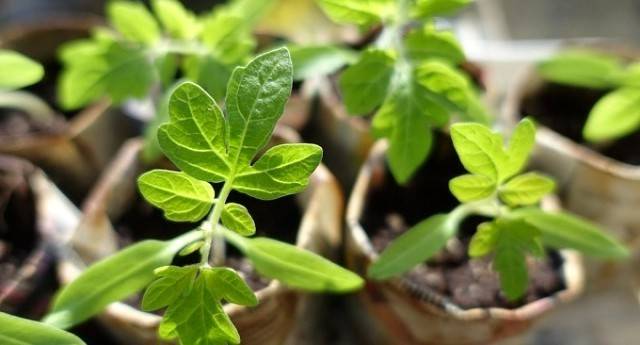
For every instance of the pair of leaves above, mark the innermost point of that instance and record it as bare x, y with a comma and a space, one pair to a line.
112, 279
616, 114
19, 331
483, 154
184, 290
18, 71
511, 241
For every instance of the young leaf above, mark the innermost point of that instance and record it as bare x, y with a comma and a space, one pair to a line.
583, 68
181, 197
194, 138
615, 115
19, 331
294, 266
17, 70
171, 284
237, 218
414, 246
178, 21
431, 8
112, 279
562, 230
526, 189
472, 187
364, 84
484, 240
229, 286
428, 43
198, 317
133, 21
316, 60
191, 248
360, 12
480, 150
284, 169
256, 97
520, 146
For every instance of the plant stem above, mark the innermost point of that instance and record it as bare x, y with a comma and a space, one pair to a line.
37, 109
214, 233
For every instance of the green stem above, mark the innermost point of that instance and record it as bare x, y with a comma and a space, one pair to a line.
36, 108
214, 234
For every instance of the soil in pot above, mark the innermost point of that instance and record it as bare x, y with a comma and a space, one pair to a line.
565, 109
451, 274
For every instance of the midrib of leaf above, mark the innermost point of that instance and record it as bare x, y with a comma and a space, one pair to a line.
198, 125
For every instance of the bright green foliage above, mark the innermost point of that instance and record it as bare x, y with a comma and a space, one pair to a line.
409, 79
211, 147
181, 197
19, 331
312, 61
133, 21
176, 20
616, 114
494, 189
112, 279
17, 70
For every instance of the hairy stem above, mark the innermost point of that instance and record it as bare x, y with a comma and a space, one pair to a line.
214, 234
37, 109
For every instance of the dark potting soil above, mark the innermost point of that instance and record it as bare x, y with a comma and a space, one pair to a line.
451, 274
565, 109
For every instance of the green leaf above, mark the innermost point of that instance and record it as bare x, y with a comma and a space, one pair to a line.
562, 230
112, 279
103, 69
526, 189
190, 249
228, 35
520, 147
480, 150
229, 286
284, 169
316, 60
181, 197
452, 88
18, 71
237, 218
166, 67
256, 97
208, 72
295, 267
178, 21
360, 12
19, 331
416, 245
484, 240
472, 187
431, 8
583, 68
428, 43
364, 85
133, 21
615, 115
194, 137
171, 284
198, 317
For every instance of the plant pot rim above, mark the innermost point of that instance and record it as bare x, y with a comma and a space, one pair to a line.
527, 80
572, 266
321, 181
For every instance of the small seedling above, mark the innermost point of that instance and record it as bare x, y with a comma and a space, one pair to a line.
495, 188
409, 76
209, 147
143, 54
615, 115
18, 71
16, 330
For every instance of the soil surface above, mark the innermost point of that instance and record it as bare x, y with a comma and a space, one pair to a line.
451, 274
565, 109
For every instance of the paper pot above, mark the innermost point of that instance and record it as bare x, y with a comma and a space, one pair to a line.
275, 318
408, 314
74, 151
